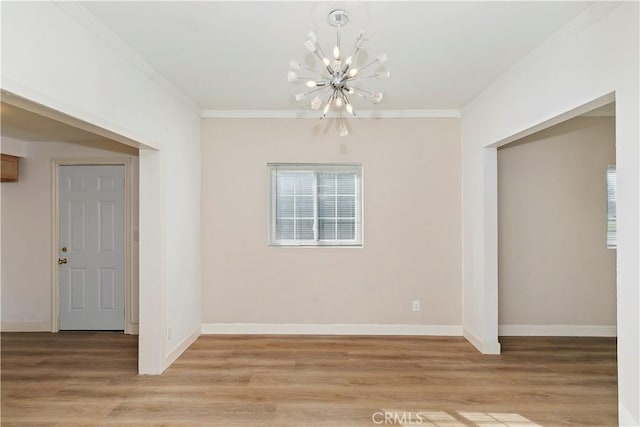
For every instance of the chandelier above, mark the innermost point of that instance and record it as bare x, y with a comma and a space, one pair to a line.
338, 77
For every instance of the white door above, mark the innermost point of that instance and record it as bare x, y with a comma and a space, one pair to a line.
91, 247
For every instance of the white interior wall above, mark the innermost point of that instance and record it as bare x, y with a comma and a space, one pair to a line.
412, 241
593, 56
26, 230
57, 55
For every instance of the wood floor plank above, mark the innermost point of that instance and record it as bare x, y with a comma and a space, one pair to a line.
90, 379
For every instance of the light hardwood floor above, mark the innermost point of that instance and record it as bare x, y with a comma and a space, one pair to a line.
88, 379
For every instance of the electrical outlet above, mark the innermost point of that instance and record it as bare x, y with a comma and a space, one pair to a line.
416, 305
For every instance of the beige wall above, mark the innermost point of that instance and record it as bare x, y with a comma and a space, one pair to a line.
412, 225
554, 266
26, 230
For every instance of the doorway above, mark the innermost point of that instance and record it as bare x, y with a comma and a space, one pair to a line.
556, 269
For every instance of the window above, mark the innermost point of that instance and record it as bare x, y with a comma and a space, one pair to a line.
315, 205
612, 239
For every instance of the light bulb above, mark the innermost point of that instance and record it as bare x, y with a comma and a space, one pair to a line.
348, 60
311, 83
383, 74
316, 103
294, 65
310, 45
292, 76
326, 61
381, 58
338, 101
353, 72
300, 96
349, 108
312, 36
377, 97
336, 52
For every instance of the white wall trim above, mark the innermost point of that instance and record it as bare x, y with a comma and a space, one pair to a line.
35, 103
580, 110
181, 347
306, 114
328, 329
25, 327
472, 339
557, 330
484, 348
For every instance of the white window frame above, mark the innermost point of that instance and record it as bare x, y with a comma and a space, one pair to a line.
315, 168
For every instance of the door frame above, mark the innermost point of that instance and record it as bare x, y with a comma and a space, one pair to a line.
130, 327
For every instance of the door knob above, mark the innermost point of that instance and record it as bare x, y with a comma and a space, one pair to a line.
62, 260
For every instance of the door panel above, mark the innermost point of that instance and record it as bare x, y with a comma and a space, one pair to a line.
91, 239
107, 289
77, 289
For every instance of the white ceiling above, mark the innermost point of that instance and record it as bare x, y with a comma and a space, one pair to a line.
235, 55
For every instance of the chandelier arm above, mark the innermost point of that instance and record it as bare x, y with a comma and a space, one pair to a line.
371, 76
375, 61
353, 58
373, 97
361, 95
320, 57
309, 68
309, 92
327, 105
361, 92
295, 65
306, 78
348, 103
338, 42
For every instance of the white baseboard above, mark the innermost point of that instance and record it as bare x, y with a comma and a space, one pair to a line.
26, 326
557, 330
484, 348
328, 329
625, 418
181, 347
132, 329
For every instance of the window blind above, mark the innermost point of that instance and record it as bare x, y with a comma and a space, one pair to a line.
612, 238
315, 204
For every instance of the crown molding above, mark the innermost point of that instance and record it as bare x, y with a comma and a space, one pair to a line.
305, 114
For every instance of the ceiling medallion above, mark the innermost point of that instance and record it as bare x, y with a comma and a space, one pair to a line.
338, 77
